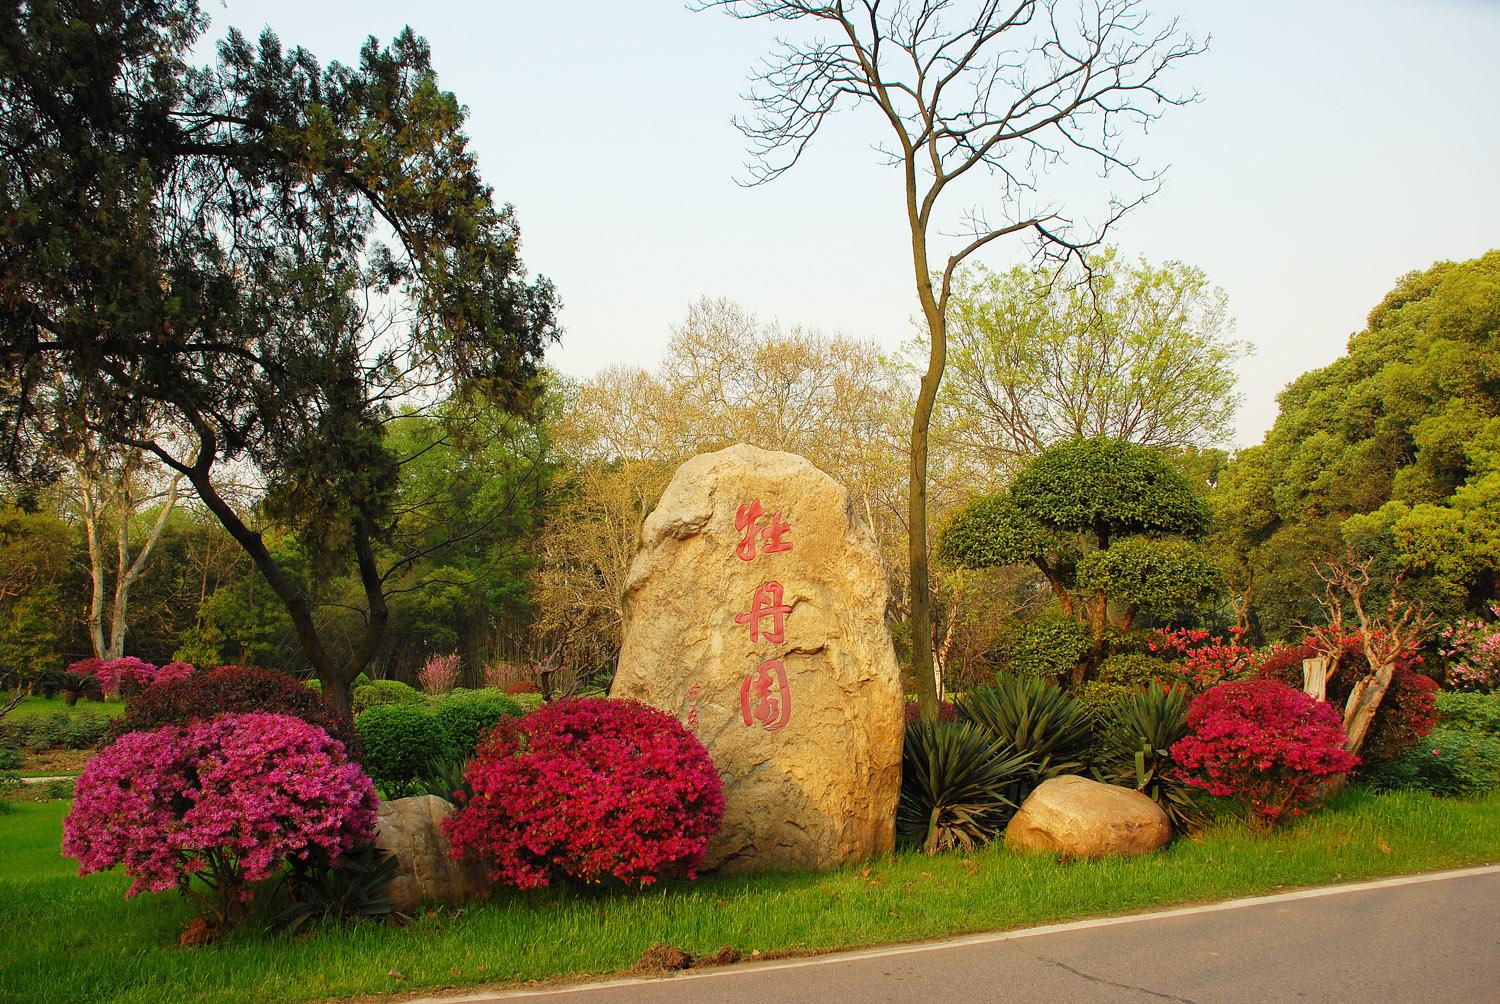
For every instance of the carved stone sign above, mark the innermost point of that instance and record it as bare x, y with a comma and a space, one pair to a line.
755, 611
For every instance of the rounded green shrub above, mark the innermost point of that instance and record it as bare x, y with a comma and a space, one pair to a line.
1134, 669
383, 692
401, 741
1049, 647
1102, 699
1448, 761
465, 716
1471, 712
527, 702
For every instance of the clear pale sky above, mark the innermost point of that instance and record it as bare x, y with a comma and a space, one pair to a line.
1338, 145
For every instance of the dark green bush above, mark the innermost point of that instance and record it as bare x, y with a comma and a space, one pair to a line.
357, 888
1039, 721
1470, 712
1134, 669
464, 716
1100, 699
49, 732
384, 692
85, 731
400, 740
1049, 647
1449, 761
954, 780
1135, 751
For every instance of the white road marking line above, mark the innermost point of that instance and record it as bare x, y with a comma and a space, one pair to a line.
964, 941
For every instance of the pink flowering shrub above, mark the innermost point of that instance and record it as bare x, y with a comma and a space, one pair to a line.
438, 674
1472, 648
224, 800
174, 671
588, 788
117, 676
1264, 743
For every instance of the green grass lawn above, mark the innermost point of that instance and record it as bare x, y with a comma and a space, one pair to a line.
41, 707
70, 938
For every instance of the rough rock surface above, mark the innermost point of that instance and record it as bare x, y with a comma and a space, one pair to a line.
1080, 818
410, 829
803, 723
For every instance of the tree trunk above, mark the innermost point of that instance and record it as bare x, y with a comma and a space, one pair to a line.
1315, 677
1364, 702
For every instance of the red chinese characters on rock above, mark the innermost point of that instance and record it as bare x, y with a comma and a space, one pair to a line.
747, 524
767, 603
766, 697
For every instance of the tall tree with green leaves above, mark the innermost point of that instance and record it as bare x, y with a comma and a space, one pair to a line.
975, 103
264, 257
1394, 448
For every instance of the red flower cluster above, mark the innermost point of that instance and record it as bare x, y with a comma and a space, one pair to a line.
589, 788
1264, 743
227, 799
128, 675
1203, 660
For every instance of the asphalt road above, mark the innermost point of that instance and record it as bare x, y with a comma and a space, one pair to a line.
1423, 938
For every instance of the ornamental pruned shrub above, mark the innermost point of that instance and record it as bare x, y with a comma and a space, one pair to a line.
237, 690
376, 693
464, 717
589, 789
224, 801
401, 742
1270, 746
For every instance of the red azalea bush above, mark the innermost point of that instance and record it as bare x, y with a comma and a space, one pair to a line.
1267, 744
174, 671
233, 689
1203, 660
588, 788
226, 800
1407, 712
125, 675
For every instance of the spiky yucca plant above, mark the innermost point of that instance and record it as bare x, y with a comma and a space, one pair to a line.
953, 783
1135, 751
1040, 720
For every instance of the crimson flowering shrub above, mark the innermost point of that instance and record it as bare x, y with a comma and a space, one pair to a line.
947, 712
1407, 712
174, 671
589, 789
237, 689
1264, 743
224, 800
1200, 659
125, 675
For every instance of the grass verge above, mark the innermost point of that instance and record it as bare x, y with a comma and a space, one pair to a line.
43, 707
71, 938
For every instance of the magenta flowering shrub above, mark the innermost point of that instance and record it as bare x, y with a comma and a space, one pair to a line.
174, 671
224, 800
438, 674
1264, 743
118, 676
590, 789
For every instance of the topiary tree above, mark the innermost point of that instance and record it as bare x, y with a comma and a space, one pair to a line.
401, 741
464, 717
1108, 523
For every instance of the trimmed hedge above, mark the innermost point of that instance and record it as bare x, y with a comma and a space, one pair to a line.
401, 742
464, 717
383, 692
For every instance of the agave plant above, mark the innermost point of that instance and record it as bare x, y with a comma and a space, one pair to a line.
953, 783
1038, 719
445, 779
353, 889
1135, 751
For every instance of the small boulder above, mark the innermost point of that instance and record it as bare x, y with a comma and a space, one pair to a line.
1078, 818
411, 829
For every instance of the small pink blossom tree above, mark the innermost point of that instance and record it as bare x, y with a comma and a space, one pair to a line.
438, 674
222, 801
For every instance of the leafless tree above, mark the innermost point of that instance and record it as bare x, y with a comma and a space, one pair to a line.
988, 91
1386, 635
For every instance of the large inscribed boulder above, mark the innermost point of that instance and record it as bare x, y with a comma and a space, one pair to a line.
1076, 817
411, 829
755, 611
